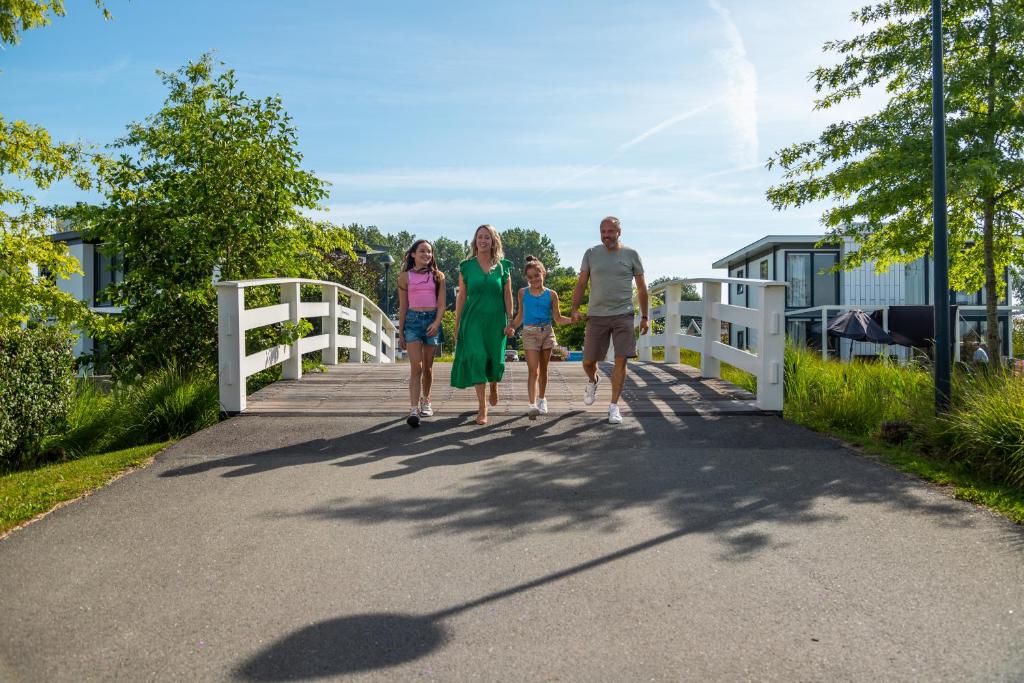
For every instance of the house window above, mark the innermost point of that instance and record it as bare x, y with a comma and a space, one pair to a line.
826, 283
741, 339
109, 271
764, 269
740, 288
798, 275
810, 281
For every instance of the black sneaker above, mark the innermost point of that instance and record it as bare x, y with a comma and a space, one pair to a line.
414, 418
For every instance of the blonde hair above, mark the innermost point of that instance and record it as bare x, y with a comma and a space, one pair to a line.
497, 251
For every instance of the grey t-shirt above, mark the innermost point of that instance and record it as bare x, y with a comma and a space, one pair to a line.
611, 279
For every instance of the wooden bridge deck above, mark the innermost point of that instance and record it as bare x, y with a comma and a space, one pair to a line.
651, 389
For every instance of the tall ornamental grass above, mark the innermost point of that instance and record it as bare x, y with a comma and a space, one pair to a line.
166, 404
984, 428
852, 398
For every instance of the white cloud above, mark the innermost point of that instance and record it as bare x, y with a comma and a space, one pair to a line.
741, 88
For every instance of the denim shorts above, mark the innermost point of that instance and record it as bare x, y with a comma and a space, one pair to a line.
416, 324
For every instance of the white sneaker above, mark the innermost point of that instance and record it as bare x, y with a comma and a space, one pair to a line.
590, 392
532, 411
614, 416
542, 406
426, 410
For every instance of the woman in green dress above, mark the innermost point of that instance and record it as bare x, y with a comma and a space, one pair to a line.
483, 308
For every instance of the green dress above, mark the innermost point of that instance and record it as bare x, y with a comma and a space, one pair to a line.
480, 347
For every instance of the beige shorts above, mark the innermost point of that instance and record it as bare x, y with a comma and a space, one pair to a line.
538, 337
602, 329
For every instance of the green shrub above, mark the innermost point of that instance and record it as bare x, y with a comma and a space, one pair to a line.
88, 423
35, 390
851, 398
985, 428
165, 404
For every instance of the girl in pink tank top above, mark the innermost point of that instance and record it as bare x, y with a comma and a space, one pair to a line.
421, 306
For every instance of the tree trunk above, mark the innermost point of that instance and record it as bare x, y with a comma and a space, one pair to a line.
991, 283
988, 227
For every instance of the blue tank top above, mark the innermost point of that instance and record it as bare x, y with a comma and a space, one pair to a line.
537, 309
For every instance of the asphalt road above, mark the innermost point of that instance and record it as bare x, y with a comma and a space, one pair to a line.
669, 548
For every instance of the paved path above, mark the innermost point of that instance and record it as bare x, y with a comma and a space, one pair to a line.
722, 547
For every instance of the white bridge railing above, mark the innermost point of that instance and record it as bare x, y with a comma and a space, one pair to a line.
234, 319
767, 319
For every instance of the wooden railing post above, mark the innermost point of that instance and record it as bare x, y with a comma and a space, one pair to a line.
290, 294
711, 331
673, 295
230, 348
644, 352
356, 354
377, 337
771, 348
329, 293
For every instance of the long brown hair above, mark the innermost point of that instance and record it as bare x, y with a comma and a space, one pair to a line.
409, 264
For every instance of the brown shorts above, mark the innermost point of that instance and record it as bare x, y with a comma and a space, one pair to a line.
538, 337
604, 328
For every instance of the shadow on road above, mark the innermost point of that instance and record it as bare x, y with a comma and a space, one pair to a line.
733, 478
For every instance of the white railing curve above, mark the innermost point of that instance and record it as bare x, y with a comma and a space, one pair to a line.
234, 319
767, 318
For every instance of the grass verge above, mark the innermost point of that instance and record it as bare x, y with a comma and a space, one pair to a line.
964, 484
27, 494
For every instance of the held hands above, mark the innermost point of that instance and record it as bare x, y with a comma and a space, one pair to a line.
510, 331
575, 316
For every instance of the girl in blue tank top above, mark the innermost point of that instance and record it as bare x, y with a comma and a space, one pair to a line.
537, 309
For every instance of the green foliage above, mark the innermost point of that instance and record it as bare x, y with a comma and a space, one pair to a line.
21, 15
520, 243
28, 154
26, 494
877, 170
30, 264
985, 430
1018, 337
851, 398
35, 390
209, 184
448, 332
168, 403
983, 433
448, 253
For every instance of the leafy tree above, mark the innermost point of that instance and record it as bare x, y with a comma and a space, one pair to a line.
21, 15
449, 253
520, 243
29, 261
210, 184
878, 169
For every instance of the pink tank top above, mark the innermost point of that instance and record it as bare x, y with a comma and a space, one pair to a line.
421, 290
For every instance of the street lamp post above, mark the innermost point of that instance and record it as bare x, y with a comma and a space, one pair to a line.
941, 248
388, 261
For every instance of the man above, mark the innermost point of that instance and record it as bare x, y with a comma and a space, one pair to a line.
981, 354
611, 268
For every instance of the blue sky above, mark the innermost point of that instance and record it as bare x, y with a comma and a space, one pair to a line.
436, 117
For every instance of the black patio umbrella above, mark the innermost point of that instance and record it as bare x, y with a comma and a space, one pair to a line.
856, 325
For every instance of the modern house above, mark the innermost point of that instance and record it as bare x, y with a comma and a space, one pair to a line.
806, 267
99, 271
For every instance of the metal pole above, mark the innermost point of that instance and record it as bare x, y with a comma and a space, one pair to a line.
942, 350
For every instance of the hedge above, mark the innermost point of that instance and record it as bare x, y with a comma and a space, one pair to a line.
36, 383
